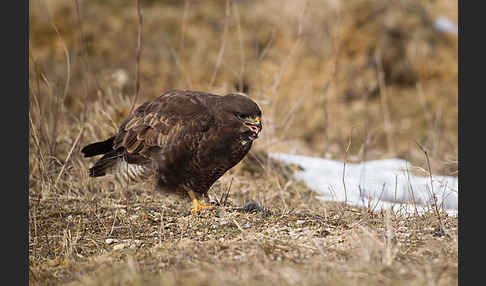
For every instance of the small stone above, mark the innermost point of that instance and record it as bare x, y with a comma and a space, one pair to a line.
119, 246
109, 240
54, 262
220, 213
252, 206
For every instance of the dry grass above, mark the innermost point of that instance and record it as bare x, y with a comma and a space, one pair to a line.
352, 80
102, 239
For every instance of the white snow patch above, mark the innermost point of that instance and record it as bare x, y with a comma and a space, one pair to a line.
379, 184
444, 24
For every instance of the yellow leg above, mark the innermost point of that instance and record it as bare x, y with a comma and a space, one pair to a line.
197, 206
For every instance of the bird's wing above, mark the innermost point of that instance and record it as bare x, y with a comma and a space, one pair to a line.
172, 123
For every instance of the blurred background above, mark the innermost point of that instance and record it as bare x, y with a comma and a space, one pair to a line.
354, 79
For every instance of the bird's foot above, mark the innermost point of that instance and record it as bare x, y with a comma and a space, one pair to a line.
199, 207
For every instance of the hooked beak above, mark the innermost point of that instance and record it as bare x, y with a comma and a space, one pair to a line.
255, 126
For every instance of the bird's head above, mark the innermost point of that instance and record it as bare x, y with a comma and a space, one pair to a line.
245, 111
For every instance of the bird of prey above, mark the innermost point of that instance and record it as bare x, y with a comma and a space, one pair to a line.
182, 140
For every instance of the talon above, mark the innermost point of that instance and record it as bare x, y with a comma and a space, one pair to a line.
197, 205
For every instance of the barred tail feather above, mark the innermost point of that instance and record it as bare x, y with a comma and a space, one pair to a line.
105, 164
131, 173
125, 166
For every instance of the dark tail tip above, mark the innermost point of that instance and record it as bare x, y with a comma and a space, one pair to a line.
98, 148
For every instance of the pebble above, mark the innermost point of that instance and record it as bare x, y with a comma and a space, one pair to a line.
119, 246
252, 206
109, 240
220, 213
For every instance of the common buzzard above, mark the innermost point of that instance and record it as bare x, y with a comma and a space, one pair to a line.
184, 140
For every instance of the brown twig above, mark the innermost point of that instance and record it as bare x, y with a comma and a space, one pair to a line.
380, 74
69, 155
344, 168
434, 197
138, 54
59, 103
183, 27
223, 45
283, 67
332, 80
240, 41
179, 64
411, 190
263, 53
226, 194
84, 59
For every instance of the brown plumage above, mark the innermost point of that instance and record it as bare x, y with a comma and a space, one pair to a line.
185, 140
